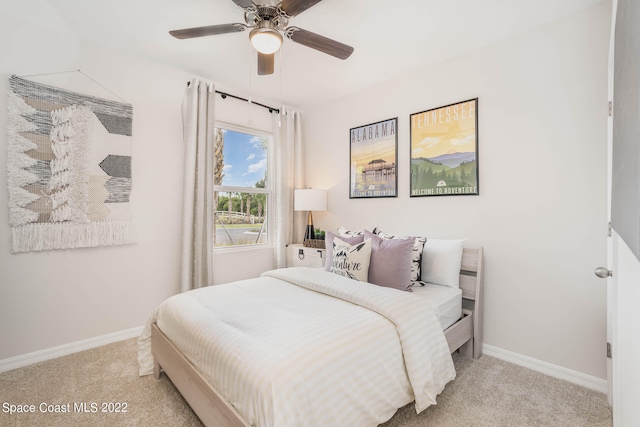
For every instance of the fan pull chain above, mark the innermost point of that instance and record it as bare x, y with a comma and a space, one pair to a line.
251, 67
280, 82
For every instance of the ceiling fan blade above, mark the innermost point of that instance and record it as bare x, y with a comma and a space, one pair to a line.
296, 7
243, 3
318, 42
211, 30
265, 63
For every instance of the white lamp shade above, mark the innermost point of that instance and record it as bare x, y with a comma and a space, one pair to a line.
310, 200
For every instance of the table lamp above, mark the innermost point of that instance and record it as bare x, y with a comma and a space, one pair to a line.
310, 200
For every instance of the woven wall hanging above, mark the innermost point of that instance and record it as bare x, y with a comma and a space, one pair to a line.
68, 168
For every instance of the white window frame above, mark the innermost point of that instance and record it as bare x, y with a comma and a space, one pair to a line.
268, 190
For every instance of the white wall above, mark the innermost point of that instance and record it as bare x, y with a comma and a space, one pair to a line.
541, 212
53, 298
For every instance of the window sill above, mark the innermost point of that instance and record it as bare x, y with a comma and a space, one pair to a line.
242, 248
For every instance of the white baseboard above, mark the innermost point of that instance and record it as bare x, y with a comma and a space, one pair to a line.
546, 368
66, 349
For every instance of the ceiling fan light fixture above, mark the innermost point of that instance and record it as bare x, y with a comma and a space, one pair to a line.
269, 24
266, 40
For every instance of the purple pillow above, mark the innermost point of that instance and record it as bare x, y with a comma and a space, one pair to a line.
328, 244
390, 263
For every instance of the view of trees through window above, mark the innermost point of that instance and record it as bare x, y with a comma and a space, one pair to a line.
241, 193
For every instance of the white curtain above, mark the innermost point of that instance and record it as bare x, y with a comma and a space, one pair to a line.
288, 164
197, 210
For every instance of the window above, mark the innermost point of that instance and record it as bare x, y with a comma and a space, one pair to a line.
241, 187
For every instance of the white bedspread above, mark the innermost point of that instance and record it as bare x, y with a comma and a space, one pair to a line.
304, 347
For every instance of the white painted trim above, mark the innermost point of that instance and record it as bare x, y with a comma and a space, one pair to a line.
546, 368
66, 349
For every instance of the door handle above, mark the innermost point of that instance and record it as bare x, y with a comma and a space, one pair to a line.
603, 273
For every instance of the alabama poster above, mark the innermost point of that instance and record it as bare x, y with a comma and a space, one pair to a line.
373, 160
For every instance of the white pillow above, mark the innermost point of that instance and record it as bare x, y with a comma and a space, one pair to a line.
441, 262
351, 261
345, 232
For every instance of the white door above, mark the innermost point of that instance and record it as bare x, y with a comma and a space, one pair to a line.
623, 293
612, 302
625, 380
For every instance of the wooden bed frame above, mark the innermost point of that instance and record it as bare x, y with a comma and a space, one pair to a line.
213, 409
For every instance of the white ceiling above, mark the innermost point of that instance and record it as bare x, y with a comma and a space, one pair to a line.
390, 37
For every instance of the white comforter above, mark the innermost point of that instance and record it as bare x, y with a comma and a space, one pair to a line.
304, 347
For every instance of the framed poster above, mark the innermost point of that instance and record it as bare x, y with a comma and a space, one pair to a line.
373, 160
444, 150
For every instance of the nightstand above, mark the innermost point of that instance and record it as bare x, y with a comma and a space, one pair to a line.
300, 256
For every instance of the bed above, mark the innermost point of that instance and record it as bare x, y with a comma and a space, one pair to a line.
384, 358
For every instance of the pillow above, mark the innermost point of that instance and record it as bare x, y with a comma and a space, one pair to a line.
390, 263
343, 232
416, 253
441, 262
351, 261
328, 244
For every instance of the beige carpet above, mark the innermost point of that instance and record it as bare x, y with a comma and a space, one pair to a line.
486, 392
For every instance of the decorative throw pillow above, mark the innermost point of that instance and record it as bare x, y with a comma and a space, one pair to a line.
441, 262
390, 263
351, 261
344, 232
328, 244
416, 253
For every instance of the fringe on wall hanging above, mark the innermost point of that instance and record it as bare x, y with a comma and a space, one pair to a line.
68, 169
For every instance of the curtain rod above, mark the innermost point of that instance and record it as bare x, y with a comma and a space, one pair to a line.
225, 94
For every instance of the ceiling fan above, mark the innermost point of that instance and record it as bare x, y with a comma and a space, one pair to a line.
267, 23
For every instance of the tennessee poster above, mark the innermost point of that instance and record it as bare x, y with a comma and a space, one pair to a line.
444, 150
373, 162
